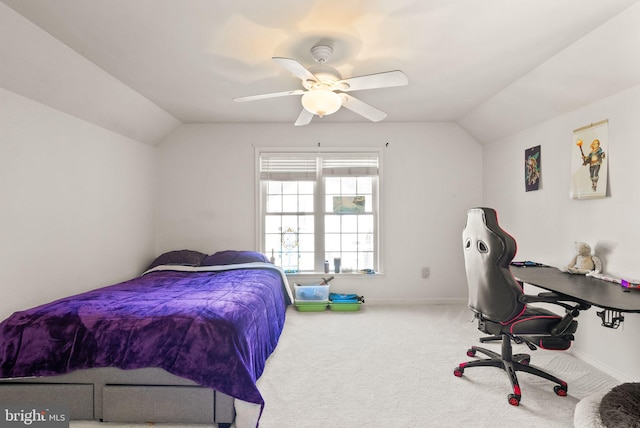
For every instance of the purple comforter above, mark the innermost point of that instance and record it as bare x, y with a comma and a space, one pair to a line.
216, 328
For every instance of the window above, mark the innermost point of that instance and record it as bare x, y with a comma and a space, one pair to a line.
319, 206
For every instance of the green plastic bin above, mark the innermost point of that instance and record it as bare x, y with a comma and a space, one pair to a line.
311, 306
345, 307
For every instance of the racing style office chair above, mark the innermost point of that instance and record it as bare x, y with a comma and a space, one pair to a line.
501, 307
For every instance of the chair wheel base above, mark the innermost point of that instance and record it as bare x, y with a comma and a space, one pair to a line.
514, 399
560, 390
511, 364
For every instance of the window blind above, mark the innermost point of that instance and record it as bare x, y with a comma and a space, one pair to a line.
362, 164
279, 167
295, 167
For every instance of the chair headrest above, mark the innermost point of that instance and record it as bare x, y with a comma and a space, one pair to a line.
488, 250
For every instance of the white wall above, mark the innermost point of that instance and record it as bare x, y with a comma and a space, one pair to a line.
432, 174
40, 67
547, 222
603, 62
76, 204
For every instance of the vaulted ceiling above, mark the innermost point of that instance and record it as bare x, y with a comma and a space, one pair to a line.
493, 66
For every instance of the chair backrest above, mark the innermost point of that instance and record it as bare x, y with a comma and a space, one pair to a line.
488, 250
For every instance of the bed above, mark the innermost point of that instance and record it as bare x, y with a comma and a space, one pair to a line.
184, 343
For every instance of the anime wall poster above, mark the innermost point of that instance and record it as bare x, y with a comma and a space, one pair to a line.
532, 168
589, 161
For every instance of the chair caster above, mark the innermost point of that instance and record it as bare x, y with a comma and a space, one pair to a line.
457, 372
560, 390
514, 399
471, 352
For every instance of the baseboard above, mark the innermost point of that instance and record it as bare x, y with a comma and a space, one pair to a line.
615, 373
411, 302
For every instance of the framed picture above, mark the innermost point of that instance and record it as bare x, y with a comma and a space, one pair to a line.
532, 168
348, 204
589, 165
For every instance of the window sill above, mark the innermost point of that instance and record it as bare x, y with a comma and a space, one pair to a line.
341, 275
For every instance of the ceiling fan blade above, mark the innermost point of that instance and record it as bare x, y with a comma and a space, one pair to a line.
295, 68
271, 95
304, 118
363, 109
385, 79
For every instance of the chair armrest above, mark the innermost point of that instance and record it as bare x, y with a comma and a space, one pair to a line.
556, 299
571, 310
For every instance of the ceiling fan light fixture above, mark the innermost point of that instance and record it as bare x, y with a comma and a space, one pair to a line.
325, 91
321, 102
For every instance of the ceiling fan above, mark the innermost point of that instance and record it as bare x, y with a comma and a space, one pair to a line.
325, 91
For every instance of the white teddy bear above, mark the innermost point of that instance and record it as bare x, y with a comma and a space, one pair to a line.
584, 262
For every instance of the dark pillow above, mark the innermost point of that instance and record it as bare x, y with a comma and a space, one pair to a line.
231, 257
179, 257
621, 406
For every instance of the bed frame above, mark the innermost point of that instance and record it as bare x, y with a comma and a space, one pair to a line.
114, 395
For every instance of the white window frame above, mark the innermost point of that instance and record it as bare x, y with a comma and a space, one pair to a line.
319, 211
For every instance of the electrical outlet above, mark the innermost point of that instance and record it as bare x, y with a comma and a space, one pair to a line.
425, 272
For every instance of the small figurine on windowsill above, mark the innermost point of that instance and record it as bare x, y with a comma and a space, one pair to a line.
584, 262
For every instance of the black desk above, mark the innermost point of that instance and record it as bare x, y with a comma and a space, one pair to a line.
606, 295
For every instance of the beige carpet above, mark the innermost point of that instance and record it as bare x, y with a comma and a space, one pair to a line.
392, 366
